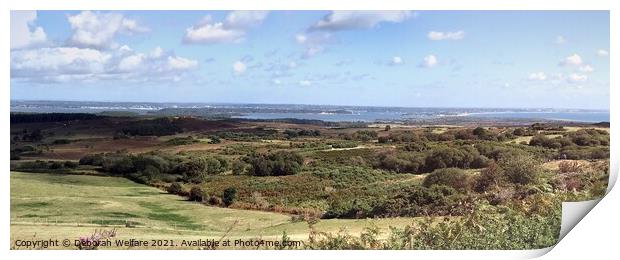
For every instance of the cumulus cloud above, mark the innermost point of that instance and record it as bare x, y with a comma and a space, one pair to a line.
439, 36
537, 76
349, 20
429, 61
577, 78
59, 64
602, 53
23, 32
97, 30
396, 60
572, 60
239, 67
232, 30
244, 19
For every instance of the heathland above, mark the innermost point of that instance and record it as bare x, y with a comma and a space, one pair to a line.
328, 185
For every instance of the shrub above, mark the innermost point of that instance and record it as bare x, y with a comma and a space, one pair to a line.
569, 166
521, 169
275, 164
451, 177
197, 193
175, 188
489, 177
239, 167
70, 164
229, 196
215, 201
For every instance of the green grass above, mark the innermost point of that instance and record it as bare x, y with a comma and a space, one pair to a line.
68, 206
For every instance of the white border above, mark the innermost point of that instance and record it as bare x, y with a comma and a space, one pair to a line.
583, 241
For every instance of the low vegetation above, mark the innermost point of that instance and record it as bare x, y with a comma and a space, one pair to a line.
461, 179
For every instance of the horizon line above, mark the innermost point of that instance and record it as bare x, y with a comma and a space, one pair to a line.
302, 104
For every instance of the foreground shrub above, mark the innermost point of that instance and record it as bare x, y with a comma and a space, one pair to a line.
486, 228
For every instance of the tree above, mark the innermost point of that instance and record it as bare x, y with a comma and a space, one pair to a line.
388, 128
229, 196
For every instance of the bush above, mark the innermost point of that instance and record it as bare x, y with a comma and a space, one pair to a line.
522, 170
451, 177
401, 162
175, 188
489, 177
197, 193
275, 164
229, 196
446, 157
197, 169
239, 167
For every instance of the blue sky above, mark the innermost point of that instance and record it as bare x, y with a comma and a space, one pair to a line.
386, 58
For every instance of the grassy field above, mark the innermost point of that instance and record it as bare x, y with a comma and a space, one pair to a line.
52, 206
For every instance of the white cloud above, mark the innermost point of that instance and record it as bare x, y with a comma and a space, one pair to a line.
429, 61
301, 38
602, 53
157, 52
586, 68
180, 63
239, 67
438, 36
56, 64
577, 78
537, 76
212, 33
276, 81
244, 19
560, 39
305, 83
131, 62
22, 35
396, 60
572, 60
348, 20
97, 30
232, 30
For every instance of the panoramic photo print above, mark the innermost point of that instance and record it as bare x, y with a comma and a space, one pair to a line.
304, 130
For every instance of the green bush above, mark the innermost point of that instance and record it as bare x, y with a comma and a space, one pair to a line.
522, 170
451, 177
229, 196
197, 193
175, 188
275, 164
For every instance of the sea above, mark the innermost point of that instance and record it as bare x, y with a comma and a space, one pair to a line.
330, 113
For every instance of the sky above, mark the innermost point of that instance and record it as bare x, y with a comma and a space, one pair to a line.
533, 59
